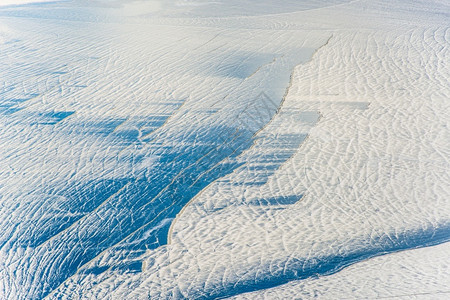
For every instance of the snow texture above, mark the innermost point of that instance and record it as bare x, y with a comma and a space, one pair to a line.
211, 149
22, 2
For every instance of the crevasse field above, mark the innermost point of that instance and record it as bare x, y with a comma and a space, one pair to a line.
203, 149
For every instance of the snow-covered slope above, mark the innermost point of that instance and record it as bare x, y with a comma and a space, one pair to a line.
204, 149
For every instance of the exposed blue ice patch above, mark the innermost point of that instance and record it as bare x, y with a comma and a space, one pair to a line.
274, 201
12, 105
7, 110
129, 267
95, 270
52, 118
27, 117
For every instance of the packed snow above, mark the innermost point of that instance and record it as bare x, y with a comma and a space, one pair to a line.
212, 149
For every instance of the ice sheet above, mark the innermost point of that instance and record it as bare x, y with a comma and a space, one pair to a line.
22, 2
205, 149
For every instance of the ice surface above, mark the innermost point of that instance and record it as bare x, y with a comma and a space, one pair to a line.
204, 149
386, 277
22, 2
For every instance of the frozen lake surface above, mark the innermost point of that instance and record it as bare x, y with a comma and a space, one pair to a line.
211, 149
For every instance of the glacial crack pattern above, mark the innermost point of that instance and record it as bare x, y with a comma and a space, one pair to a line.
171, 150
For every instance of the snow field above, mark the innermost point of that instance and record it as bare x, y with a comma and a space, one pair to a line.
202, 157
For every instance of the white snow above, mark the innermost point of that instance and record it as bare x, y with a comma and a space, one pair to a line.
22, 2
203, 149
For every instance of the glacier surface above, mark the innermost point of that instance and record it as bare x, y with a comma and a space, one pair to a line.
210, 149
